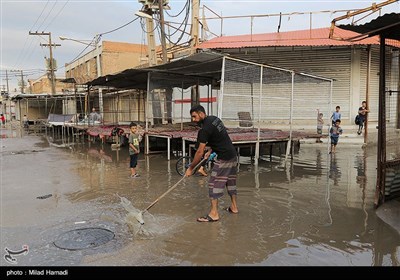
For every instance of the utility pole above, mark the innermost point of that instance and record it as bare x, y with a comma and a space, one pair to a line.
22, 82
156, 106
194, 32
168, 90
22, 79
147, 11
151, 42
8, 89
162, 28
50, 45
99, 73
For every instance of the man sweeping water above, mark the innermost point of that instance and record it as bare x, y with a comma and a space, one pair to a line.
223, 175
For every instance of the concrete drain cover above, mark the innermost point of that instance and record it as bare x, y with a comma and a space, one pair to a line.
84, 238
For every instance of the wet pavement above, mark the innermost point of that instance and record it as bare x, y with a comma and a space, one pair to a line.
316, 210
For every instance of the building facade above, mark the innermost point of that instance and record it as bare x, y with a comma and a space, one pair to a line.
43, 85
110, 58
354, 66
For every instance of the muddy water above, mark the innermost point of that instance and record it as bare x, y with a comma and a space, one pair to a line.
316, 210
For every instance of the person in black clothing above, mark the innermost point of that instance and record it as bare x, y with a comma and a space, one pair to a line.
362, 115
213, 134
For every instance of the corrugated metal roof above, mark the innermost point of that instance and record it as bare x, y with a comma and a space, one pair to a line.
388, 24
40, 95
313, 37
198, 68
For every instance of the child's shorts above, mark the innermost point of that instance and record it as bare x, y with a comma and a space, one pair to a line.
334, 140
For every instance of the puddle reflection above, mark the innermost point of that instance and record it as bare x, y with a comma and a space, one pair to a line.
316, 209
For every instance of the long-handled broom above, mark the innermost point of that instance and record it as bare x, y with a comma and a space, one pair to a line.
139, 216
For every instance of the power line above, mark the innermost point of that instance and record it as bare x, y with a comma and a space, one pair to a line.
40, 14
22, 79
177, 15
62, 8
26, 73
50, 45
119, 27
52, 8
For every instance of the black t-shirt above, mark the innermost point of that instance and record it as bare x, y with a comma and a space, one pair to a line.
214, 134
361, 115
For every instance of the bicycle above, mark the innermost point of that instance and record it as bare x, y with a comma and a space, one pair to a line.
184, 162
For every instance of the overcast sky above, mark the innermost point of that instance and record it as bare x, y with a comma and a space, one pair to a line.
82, 20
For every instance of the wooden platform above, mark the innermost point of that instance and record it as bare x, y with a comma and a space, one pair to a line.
241, 137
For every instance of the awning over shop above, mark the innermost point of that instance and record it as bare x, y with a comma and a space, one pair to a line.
45, 95
387, 25
200, 68
68, 81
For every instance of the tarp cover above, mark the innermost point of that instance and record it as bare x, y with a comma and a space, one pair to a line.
200, 68
57, 119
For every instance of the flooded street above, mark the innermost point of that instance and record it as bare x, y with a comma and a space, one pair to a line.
317, 210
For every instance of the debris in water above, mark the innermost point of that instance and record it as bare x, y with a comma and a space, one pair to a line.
132, 211
44, 196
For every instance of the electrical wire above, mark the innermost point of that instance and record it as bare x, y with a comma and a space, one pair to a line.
177, 15
78, 56
40, 15
59, 12
119, 27
52, 8
185, 22
143, 26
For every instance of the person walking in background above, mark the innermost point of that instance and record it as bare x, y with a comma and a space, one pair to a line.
25, 121
336, 115
335, 131
320, 124
362, 116
3, 120
223, 175
134, 149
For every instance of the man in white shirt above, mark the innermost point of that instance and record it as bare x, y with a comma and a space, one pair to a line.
94, 116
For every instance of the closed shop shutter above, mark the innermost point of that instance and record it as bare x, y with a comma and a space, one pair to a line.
321, 61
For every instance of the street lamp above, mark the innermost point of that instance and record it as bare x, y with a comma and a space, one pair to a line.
93, 43
78, 41
143, 15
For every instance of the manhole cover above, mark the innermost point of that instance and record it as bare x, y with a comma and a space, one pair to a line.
83, 238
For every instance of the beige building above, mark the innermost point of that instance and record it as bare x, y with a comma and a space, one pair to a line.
115, 107
112, 56
354, 66
43, 85
38, 101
